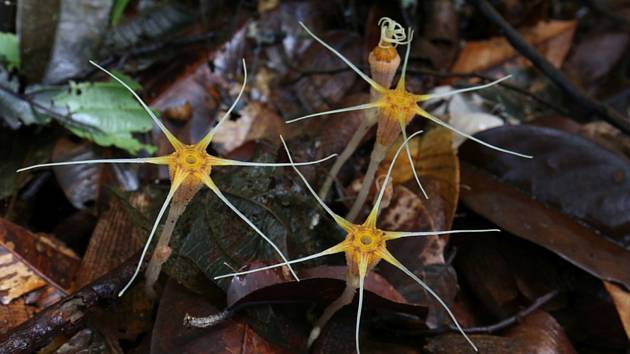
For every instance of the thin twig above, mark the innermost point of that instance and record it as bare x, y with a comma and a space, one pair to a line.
588, 104
493, 328
220, 317
538, 303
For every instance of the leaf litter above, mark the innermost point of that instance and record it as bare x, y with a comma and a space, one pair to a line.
576, 202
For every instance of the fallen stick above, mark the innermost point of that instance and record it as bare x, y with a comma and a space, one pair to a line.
588, 104
68, 315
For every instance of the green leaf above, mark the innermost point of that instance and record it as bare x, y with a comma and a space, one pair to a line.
108, 108
126, 79
117, 11
9, 50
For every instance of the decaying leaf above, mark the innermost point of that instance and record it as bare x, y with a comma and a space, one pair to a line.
256, 122
318, 285
156, 21
114, 240
317, 93
35, 272
77, 38
578, 170
272, 284
80, 183
437, 165
17, 278
18, 149
47, 257
568, 173
552, 38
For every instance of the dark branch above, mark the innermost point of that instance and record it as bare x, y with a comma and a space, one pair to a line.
501, 325
68, 315
588, 104
510, 320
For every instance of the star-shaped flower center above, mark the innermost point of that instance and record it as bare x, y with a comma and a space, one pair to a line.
364, 246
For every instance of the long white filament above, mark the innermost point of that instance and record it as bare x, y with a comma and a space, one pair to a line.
436, 120
173, 140
403, 73
340, 110
177, 181
367, 79
375, 209
341, 221
219, 194
411, 164
332, 250
395, 234
208, 138
467, 89
362, 275
66, 163
389, 258
262, 164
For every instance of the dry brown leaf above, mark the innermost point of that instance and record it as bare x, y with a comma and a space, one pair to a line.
114, 240
621, 299
323, 92
256, 122
15, 313
267, 5
541, 333
34, 272
80, 183
438, 168
17, 278
552, 38
335, 132
44, 255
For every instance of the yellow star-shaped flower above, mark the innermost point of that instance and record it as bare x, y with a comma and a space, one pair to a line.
396, 106
365, 246
189, 168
